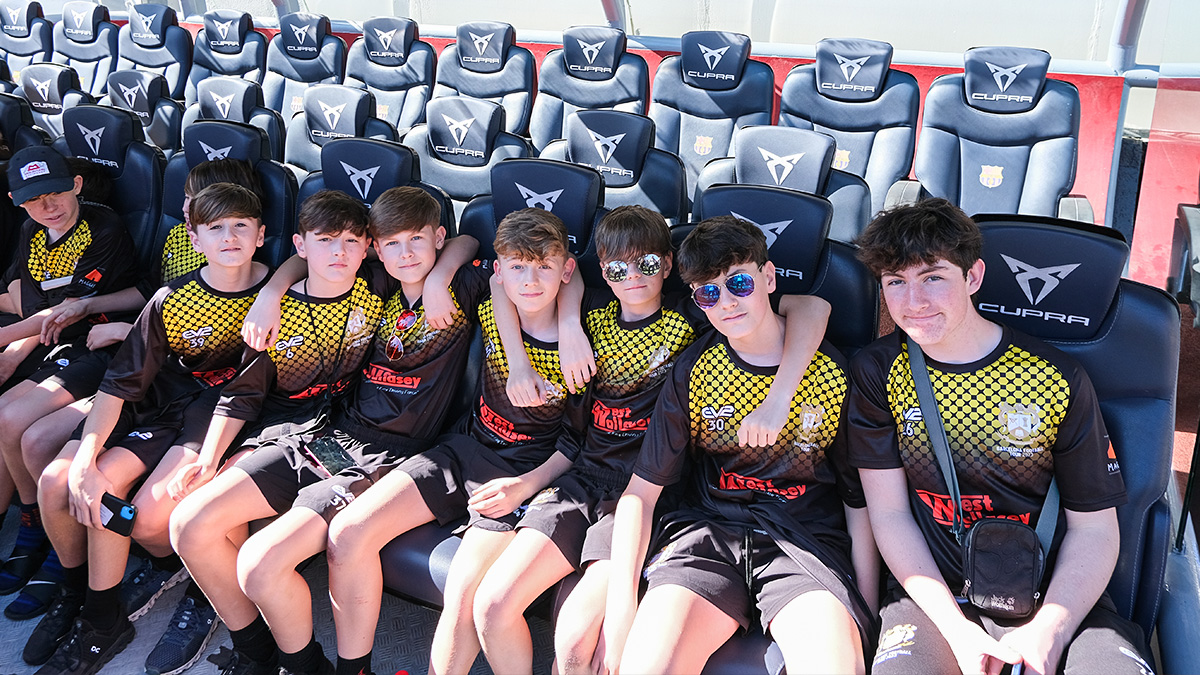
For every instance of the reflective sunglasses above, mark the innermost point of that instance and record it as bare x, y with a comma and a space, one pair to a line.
618, 270
707, 296
394, 349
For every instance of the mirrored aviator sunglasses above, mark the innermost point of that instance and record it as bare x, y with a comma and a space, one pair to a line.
394, 349
707, 296
617, 271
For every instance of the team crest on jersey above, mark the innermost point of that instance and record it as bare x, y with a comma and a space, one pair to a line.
1019, 425
356, 327
811, 419
554, 393
703, 145
841, 159
659, 357
991, 176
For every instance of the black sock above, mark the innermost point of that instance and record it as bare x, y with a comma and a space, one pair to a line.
168, 563
102, 609
307, 660
31, 534
359, 666
75, 579
193, 591
255, 641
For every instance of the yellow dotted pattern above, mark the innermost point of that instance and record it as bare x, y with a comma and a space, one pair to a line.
46, 264
178, 255
420, 341
495, 371
199, 323
629, 361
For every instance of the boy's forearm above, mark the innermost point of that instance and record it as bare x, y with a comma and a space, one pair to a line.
100, 422
456, 252
864, 555
570, 300
555, 466
805, 320
508, 326
30, 326
632, 525
221, 432
292, 270
125, 300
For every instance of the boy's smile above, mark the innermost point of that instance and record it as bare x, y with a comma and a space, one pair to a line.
533, 285
409, 255
228, 241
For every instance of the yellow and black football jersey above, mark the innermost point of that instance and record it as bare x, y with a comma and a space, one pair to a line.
709, 393
1016, 418
178, 255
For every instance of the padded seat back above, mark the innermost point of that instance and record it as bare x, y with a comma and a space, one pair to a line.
211, 139
1061, 281
237, 100
50, 88
17, 128
154, 41
485, 63
700, 96
332, 111
460, 142
852, 94
1000, 138
620, 146
394, 65
87, 41
227, 45
146, 95
591, 72
304, 53
26, 37
113, 139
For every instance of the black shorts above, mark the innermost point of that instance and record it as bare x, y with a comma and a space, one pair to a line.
910, 643
730, 566
576, 513
72, 366
150, 434
450, 471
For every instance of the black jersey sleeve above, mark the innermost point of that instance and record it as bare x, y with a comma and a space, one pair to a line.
110, 263
849, 486
574, 426
141, 356
244, 396
1088, 475
13, 272
471, 285
871, 441
668, 437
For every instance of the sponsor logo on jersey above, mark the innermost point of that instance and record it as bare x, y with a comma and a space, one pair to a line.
849, 68
91, 279
735, 481
501, 427
990, 176
386, 377
215, 378
289, 345
616, 420
703, 145
1113, 465
196, 337
318, 389
975, 507
1004, 77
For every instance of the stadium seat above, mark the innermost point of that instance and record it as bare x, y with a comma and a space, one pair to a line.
7, 85
331, 111
113, 139
852, 94
50, 88
26, 37
153, 41
394, 65
591, 72
227, 45
87, 41
212, 139
485, 63
461, 140
237, 100
620, 146
17, 128
304, 53
796, 159
1061, 281
1000, 138
700, 96
1183, 271
364, 168
146, 95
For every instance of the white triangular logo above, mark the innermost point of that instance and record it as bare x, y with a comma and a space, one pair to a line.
223, 103
361, 179
1004, 77
605, 145
130, 94
850, 67
223, 27
92, 136
590, 52
458, 129
333, 114
214, 153
385, 39
481, 42
14, 14
712, 56
43, 88
301, 32
147, 21
779, 166
79, 17
545, 200
1049, 276
770, 230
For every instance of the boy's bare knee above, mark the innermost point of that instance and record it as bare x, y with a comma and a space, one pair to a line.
257, 569
53, 485
493, 608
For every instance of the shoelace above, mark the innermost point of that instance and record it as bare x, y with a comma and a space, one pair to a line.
69, 654
179, 623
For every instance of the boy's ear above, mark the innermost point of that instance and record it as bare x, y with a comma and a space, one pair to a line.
78, 185
191, 233
975, 276
439, 237
568, 269
262, 234
298, 242
667, 263
496, 271
768, 271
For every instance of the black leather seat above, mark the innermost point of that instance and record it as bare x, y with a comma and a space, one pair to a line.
391, 62
485, 63
331, 111
87, 41
460, 142
50, 88
799, 160
147, 95
700, 96
227, 45
591, 72
304, 53
113, 139
17, 126
26, 37
153, 41
211, 139
237, 100
870, 109
620, 146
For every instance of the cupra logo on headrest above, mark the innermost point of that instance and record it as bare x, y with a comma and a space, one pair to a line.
605, 145
850, 67
1004, 77
481, 42
361, 179
545, 200
712, 56
779, 166
591, 51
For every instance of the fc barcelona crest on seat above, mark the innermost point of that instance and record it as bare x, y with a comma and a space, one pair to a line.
991, 176
703, 145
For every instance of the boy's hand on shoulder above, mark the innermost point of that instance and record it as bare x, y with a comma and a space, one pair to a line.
762, 426
64, 314
499, 497
105, 334
576, 358
439, 307
525, 387
261, 326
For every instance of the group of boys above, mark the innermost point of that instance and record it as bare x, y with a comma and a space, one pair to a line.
717, 469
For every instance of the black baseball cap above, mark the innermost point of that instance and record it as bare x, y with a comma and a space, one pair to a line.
36, 171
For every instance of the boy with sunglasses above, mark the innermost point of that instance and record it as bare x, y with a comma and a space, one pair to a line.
760, 531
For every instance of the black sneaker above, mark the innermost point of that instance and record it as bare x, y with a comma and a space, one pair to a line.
232, 662
53, 627
145, 584
183, 643
86, 650
26, 558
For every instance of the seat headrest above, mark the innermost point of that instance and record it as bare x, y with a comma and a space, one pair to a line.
149, 24
364, 167
101, 134
336, 111
45, 84
1004, 79
302, 34
483, 45
783, 156
713, 59
611, 142
1052, 278
14, 112
226, 30
81, 20
593, 52
137, 91
569, 191
18, 17
850, 69
796, 225
463, 130
228, 98
389, 39
207, 140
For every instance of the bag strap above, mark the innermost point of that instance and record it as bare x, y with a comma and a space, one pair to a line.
941, 449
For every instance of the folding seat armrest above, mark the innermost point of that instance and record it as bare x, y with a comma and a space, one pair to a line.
1076, 207
903, 193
